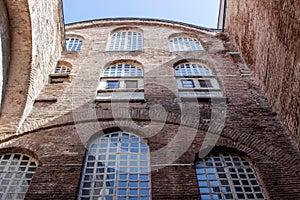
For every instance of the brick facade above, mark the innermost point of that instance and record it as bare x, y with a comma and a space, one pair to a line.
65, 116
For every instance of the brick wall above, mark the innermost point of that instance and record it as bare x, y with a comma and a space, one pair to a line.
65, 116
267, 34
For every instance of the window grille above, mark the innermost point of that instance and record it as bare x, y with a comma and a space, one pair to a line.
73, 44
116, 167
16, 172
62, 70
192, 69
126, 41
226, 176
122, 70
184, 44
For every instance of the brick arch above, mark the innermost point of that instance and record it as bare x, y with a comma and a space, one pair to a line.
19, 70
256, 148
21, 150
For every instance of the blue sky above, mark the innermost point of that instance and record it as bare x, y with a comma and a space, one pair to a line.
198, 12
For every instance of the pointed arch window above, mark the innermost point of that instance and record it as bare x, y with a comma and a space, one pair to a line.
16, 172
73, 44
125, 41
116, 167
226, 176
196, 80
184, 44
121, 81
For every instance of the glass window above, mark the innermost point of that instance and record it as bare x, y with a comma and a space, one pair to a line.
131, 83
126, 41
192, 69
73, 44
184, 44
187, 83
16, 172
62, 70
116, 167
122, 70
112, 84
225, 176
205, 83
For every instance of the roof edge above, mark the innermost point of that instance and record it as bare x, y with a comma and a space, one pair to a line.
147, 19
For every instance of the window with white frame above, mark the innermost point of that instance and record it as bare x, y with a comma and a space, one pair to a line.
196, 80
226, 176
125, 41
116, 167
16, 172
73, 44
121, 81
59, 69
184, 44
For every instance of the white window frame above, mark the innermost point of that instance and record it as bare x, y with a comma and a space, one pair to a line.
226, 176
117, 166
16, 172
73, 44
184, 44
196, 72
125, 41
121, 72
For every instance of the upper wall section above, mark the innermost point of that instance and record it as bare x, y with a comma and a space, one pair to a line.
267, 32
36, 32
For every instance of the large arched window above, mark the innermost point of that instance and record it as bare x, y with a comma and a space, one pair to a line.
125, 41
184, 44
121, 81
196, 80
16, 172
226, 176
116, 167
73, 44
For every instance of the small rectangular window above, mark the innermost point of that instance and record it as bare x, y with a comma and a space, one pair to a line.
112, 85
131, 83
187, 83
205, 83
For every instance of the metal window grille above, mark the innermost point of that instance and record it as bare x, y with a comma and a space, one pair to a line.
184, 44
62, 70
226, 176
126, 41
16, 172
123, 70
192, 69
73, 44
116, 167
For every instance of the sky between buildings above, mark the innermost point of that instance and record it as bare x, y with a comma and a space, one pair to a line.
198, 12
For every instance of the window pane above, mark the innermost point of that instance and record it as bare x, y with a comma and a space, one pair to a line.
73, 44
187, 83
126, 41
205, 83
16, 175
131, 84
184, 44
112, 84
214, 180
120, 172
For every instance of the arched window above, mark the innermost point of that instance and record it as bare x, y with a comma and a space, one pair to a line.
121, 81
16, 172
126, 41
59, 69
116, 167
184, 44
73, 44
226, 176
196, 80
